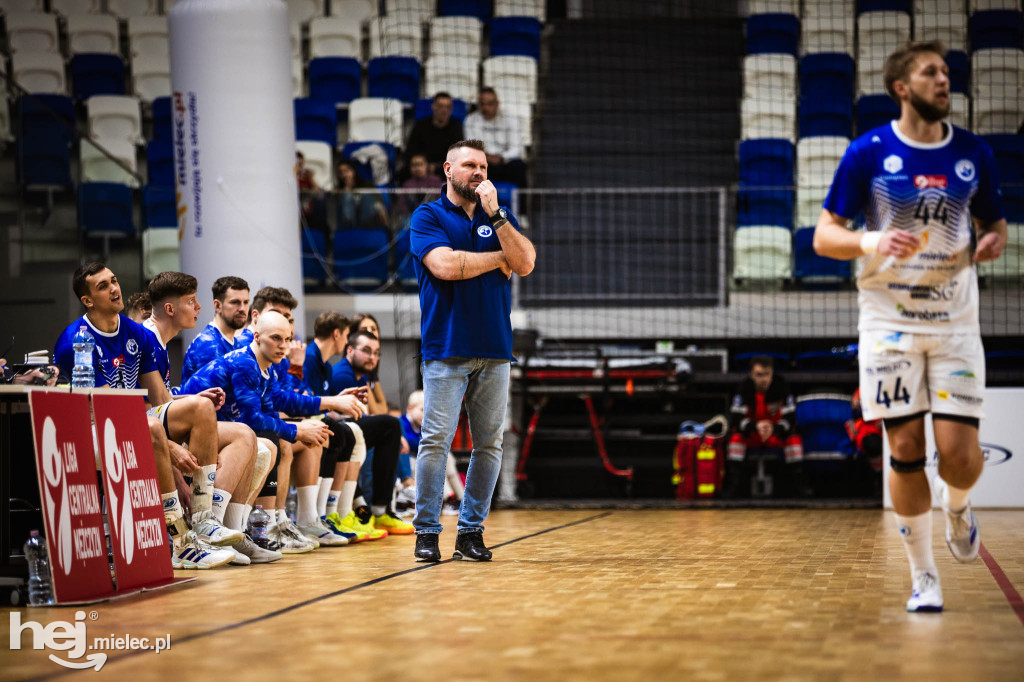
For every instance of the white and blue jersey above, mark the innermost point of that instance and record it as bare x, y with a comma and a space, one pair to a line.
932, 190
160, 357
208, 346
119, 358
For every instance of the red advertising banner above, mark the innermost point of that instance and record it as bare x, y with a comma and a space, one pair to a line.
138, 536
66, 467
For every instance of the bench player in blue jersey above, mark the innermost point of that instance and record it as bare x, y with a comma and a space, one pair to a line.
254, 397
124, 358
231, 475
230, 314
929, 195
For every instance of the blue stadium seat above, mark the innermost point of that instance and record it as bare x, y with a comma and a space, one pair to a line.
1013, 203
885, 6
162, 126
773, 33
741, 361
423, 110
316, 120
765, 207
52, 115
874, 111
766, 161
396, 77
812, 270
105, 209
826, 116
361, 258
1004, 359
337, 80
505, 190
160, 162
824, 361
1009, 152
364, 169
405, 271
996, 28
481, 9
158, 206
314, 255
959, 70
827, 74
44, 161
821, 418
515, 36
96, 74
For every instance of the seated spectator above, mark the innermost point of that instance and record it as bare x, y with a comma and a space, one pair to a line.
501, 136
138, 307
763, 422
358, 210
432, 136
867, 437
412, 423
420, 177
311, 196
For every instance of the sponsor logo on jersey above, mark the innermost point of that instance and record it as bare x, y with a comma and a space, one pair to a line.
960, 397
484, 231
923, 315
924, 181
890, 368
965, 373
118, 361
892, 164
964, 170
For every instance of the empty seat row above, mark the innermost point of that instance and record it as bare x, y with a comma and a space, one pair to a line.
359, 260
91, 74
418, 11
122, 9
95, 33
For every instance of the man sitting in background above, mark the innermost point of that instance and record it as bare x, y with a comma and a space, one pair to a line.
501, 136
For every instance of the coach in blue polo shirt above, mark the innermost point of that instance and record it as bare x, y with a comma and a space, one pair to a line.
466, 248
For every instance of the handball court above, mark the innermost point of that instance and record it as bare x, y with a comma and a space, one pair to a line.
698, 594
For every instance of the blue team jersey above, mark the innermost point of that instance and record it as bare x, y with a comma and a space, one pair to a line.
412, 436
208, 346
932, 190
317, 371
343, 376
163, 362
119, 358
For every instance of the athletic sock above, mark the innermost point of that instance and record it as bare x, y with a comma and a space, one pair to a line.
246, 510
282, 516
916, 533
221, 500
348, 493
202, 489
322, 495
332, 503
174, 510
955, 499
235, 516
378, 509
306, 512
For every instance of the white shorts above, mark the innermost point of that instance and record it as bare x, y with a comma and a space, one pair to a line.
904, 373
160, 412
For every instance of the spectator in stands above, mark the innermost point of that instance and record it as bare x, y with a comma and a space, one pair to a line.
420, 177
311, 196
501, 135
432, 136
138, 307
867, 438
230, 312
358, 209
763, 421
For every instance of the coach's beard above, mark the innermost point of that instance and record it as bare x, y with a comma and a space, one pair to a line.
463, 190
929, 112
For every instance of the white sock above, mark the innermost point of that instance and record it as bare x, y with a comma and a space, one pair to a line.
221, 500
332, 503
246, 510
173, 511
322, 494
202, 489
307, 504
348, 492
282, 516
955, 499
235, 517
378, 510
358, 501
916, 533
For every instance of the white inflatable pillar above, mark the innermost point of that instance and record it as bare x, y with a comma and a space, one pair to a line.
234, 145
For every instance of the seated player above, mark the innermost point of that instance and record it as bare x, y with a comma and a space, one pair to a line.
230, 312
138, 307
867, 438
763, 419
412, 422
124, 358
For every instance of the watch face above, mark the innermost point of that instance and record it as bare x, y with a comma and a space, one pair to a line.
503, 213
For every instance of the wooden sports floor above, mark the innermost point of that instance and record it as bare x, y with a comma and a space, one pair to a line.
586, 595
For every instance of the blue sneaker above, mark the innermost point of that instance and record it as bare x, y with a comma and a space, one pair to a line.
331, 522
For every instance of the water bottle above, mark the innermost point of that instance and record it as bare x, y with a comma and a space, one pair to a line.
39, 591
291, 504
259, 520
82, 376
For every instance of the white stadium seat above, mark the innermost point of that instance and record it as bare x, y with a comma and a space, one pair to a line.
335, 37
396, 36
418, 11
375, 119
95, 33
455, 36
1011, 262
768, 118
959, 110
129, 9
514, 78
356, 10
318, 159
457, 77
808, 204
32, 32
68, 7
114, 117
827, 34
303, 11
769, 75
951, 29
160, 251
148, 35
96, 166
151, 76
817, 159
762, 252
39, 72
520, 8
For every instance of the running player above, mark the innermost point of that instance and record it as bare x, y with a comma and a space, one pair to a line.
920, 183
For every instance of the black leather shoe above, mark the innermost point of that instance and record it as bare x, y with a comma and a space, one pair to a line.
470, 547
426, 547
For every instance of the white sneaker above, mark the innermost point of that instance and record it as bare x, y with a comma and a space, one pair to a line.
291, 529
288, 542
207, 527
255, 553
240, 559
962, 535
927, 595
324, 535
193, 553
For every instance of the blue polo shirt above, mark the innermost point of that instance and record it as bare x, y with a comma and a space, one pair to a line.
343, 376
317, 371
465, 318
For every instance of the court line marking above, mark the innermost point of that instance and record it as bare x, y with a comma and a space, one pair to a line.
314, 600
1011, 593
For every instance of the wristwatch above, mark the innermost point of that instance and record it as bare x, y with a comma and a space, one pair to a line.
498, 217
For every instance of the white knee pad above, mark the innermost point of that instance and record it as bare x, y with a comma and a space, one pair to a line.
264, 460
359, 449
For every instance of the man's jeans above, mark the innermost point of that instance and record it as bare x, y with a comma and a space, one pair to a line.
484, 383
